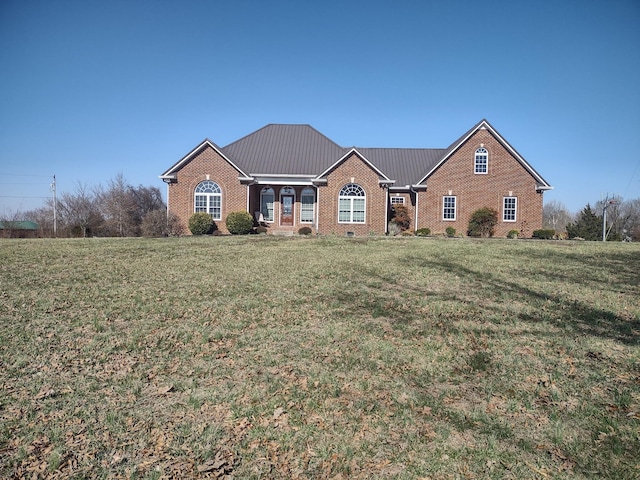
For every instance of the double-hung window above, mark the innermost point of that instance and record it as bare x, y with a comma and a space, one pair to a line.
208, 199
509, 209
449, 208
267, 198
307, 200
352, 204
481, 160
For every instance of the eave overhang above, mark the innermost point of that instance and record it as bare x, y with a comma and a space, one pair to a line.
383, 177
171, 174
484, 125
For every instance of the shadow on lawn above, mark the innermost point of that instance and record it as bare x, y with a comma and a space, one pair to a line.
578, 316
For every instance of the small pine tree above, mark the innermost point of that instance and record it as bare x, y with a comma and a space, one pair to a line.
588, 225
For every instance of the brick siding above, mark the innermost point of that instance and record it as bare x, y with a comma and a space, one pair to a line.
455, 177
352, 170
207, 165
505, 177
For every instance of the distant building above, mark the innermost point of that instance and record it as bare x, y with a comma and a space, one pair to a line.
290, 176
21, 229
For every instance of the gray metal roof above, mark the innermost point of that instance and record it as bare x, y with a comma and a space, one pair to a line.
404, 165
278, 149
292, 149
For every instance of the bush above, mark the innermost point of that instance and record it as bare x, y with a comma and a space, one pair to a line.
544, 234
483, 222
513, 234
305, 231
400, 216
201, 224
261, 229
393, 228
239, 223
423, 232
157, 223
451, 232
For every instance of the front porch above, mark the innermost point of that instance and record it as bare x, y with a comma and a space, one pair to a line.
283, 209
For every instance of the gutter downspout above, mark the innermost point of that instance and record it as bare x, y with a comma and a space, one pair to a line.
317, 207
415, 220
386, 210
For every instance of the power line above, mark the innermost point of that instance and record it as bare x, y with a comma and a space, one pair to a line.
23, 175
15, 196
631, 178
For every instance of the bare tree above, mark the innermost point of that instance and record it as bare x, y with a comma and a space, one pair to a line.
556, 216
118, 207
43, 216
79, 211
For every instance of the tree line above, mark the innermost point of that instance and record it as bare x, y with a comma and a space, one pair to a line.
623, 220
118, 209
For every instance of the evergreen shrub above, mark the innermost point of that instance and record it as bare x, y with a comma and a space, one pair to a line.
239, 223
483, 222
544, 234
201, 223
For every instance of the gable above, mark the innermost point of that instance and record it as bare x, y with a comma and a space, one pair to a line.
294, 151
382, 178
170, 174
483, 125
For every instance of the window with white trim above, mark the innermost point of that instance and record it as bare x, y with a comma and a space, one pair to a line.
208, 199
397, 200
448, 207
481, 160
307, 199
267, 199
509, 208
351, 204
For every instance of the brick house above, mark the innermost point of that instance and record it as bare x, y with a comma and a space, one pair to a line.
290, 176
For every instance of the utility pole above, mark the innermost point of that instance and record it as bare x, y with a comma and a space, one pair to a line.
55, 208
607, 204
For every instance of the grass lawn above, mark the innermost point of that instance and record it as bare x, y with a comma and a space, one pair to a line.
262, 357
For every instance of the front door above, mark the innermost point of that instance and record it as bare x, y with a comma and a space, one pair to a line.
286, 212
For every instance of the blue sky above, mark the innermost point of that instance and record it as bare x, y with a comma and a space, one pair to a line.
92, 89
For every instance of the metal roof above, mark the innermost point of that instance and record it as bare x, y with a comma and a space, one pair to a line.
405, 165
290, 150
19, 225
284, 149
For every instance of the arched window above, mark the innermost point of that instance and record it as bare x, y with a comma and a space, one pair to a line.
351, 204
481, 160
307, 199
208, 199
267, 198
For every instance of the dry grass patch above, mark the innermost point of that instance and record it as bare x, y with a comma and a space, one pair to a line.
261, 357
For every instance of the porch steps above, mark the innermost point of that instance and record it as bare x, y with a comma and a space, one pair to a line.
283, 233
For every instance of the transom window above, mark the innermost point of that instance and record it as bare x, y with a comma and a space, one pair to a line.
208, 199
307, 200
449, 208
267, 199
509, 209
351, 204
481, 160
397, 200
